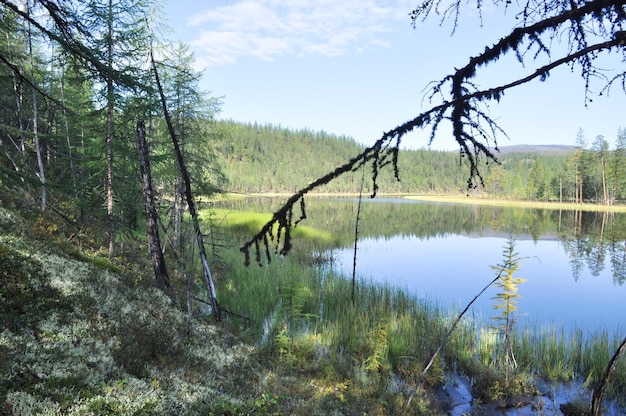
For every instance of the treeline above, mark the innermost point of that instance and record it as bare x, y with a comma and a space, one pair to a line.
74, 82
269, 158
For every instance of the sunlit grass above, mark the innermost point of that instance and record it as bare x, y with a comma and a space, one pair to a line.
386, 331
465, 199
252, 222
113, 344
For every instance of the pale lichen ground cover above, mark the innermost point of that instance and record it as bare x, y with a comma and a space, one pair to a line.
91, 342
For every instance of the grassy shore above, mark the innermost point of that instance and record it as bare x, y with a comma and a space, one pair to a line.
464, 199
306, 319
455, 199
81, 336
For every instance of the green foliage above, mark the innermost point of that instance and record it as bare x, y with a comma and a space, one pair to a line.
506, 299
377, 361
293, 158
265, 403
492, 385
284, 345
506, 302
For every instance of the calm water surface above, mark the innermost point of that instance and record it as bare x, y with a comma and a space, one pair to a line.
574, 263
563, 286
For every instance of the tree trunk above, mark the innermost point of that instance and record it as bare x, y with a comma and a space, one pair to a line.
604, 194
152, 225
67, 136
208, 278
598, 391
614, 192
42, 173
110, 131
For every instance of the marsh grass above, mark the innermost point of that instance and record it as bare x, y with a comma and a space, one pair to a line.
558, 354
252, 222
77, 338
387, 333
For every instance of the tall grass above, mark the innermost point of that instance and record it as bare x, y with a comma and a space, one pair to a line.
387, 331
316, 302
558, 354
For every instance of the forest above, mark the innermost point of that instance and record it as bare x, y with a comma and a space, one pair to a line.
111, 264
267, 158
69, 130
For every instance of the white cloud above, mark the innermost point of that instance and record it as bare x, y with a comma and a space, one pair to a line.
268, 29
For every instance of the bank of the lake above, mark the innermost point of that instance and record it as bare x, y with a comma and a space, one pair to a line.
477, 200
393, 332
447, 198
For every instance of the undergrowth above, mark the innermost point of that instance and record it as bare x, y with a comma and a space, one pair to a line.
82, 335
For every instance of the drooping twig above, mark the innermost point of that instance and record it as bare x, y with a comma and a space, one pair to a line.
473, 129
278, 229
444, 342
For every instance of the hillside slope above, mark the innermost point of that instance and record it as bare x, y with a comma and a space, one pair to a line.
267, 158
77, 338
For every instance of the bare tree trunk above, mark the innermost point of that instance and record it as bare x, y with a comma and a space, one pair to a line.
604, 193
152, 225
110, 132
614, 192
17, 89
598, 391
42, 173
67, 137
580, 193
208, 278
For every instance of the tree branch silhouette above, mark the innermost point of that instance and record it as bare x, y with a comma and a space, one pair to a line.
472, 127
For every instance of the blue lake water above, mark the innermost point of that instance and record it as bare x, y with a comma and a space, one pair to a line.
574, 262
452, 269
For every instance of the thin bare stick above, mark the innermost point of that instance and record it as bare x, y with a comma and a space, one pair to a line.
447, 337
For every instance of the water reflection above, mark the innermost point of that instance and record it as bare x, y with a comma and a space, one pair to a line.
574, 268
453, 269
574, 261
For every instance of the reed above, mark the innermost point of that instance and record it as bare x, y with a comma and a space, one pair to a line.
388, 331
557, 354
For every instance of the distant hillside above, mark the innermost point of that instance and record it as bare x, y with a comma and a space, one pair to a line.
544, 149
268, 158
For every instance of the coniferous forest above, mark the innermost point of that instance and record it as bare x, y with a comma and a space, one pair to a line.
110, 275
268, 158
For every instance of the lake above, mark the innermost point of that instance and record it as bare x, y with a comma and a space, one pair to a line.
574, 262
569, 281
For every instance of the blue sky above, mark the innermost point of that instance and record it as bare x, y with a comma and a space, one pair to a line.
358, 68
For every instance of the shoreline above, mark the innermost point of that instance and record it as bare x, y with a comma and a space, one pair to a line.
452, 199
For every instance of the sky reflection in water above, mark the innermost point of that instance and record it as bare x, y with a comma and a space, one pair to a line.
451, 270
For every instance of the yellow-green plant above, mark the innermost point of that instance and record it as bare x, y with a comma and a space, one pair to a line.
378, 361
506, 301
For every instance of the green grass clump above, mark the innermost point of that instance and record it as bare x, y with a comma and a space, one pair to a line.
251, 222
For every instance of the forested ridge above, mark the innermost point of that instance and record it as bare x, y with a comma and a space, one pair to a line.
269, 158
